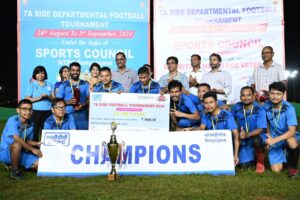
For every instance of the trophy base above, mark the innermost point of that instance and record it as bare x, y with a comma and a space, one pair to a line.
113, 177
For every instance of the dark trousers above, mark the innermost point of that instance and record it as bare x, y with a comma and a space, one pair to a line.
38, 118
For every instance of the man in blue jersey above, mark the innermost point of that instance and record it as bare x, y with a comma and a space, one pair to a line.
183, 112
145, 85
17, 146
281, 135
107, 84
198, 100
75, 92
218, 119
251, 119
59, 120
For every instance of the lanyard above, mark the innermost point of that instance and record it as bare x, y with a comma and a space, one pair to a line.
278, 116
72, 86
245, 116
148, 87
24, 131
58, 123
179, 103
212, 121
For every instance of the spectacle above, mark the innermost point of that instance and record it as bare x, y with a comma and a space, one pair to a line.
120, 59
60, 107
26, 109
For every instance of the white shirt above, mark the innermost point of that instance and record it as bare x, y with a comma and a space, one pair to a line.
219, 80
263, 77
198, 76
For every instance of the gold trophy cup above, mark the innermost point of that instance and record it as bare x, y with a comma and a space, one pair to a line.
113, 152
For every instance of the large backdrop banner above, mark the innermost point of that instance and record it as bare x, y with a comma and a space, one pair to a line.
84, 153
235, 29
54, 33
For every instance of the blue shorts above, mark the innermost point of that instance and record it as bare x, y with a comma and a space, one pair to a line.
246, 151
277, 152
26, 159
185, 123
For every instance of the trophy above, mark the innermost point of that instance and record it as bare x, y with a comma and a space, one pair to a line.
76, 95
113, 151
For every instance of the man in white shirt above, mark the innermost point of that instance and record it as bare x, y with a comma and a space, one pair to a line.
219, 80
196, 74
268, 72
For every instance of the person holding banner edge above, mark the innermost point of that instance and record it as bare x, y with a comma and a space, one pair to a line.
17, 145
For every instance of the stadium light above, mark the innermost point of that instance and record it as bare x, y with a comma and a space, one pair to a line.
292, 75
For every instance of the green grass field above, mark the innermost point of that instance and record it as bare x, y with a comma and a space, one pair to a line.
245, 185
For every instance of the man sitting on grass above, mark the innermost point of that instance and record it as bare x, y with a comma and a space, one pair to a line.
281, 135
59, 120
17, 147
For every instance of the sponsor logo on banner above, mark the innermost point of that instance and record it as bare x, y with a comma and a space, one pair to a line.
57, 139
97, 97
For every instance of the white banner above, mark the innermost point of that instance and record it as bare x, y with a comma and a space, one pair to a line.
80, 153
235, 29
136, 112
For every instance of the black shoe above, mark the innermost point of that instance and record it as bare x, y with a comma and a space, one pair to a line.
16, 174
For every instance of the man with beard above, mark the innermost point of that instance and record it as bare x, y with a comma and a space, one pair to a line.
124, 75
251, 120
183, 112
59, 120
267, 73
196, 74
75, 93
145, 85
281, 137
106, 84
219, 80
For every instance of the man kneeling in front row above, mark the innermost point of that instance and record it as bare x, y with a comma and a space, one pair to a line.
17, 147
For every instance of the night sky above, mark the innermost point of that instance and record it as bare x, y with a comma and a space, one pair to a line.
8, 75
